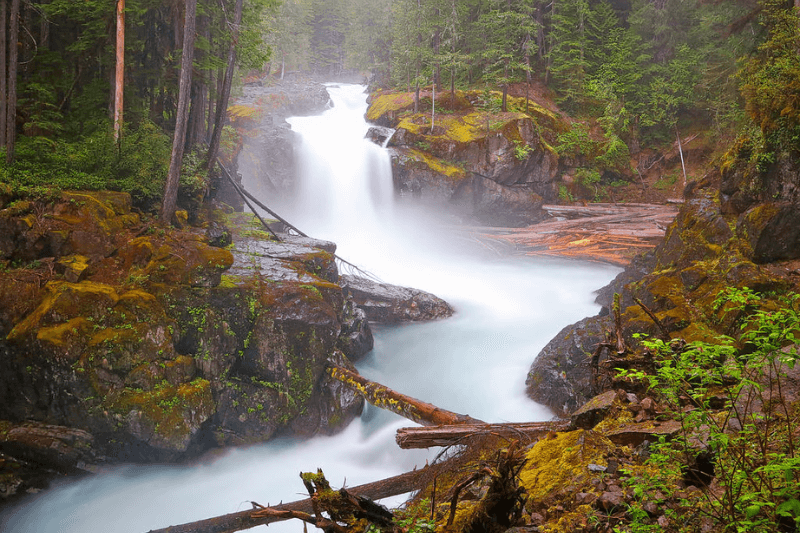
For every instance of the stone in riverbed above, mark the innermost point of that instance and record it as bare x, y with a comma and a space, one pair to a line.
390, 304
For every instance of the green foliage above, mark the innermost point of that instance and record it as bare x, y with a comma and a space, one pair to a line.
522, 151
751, 439
138, 165
575, 142
771, 79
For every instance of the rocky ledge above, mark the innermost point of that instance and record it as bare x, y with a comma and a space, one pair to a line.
157, 343
390, 304
485, 165
725, 236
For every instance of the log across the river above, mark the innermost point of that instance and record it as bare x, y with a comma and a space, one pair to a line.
229, 523
449, 435
415, 410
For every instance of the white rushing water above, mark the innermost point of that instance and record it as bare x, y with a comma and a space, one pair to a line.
475, 363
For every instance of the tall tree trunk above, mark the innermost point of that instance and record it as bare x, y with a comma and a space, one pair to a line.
3, 77
184, 90
419, 55
119, 78
11, 98
225, 93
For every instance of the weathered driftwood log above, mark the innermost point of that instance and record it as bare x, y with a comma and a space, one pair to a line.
425, 437
256, 517
415, 410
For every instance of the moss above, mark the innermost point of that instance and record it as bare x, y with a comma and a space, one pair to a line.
561, 459
383, 104
173, 411
437, 165
67, 299
61, 334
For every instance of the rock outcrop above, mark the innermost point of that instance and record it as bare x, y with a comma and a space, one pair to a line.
710, 247
391, 304
486, 165
158, 344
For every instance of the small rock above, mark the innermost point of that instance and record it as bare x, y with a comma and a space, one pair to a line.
593, 411
537, 519
651, 508
648, 404
73, 267
596, 468
609, 501
613, 466
662, 521
585, 498
218, 235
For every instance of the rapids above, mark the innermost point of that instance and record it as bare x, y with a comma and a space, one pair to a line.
474, 363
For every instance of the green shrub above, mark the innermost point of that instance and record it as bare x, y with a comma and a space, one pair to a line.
751, 440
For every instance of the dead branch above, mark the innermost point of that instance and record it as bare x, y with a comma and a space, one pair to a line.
620, 344
654, 318
230, 523
415, 410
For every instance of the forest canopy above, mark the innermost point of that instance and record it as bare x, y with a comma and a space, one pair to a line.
641, 69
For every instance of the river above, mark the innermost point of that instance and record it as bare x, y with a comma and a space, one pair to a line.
507, 309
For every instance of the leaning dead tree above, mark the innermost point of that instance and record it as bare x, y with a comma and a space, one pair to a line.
415, 410
260, 515
426, 437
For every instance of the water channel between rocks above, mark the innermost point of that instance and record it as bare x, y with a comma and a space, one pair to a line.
474, 363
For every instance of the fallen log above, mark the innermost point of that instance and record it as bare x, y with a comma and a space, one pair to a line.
425, 437
229, 523
415, 410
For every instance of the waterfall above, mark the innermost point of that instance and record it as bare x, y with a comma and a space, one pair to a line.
473, 363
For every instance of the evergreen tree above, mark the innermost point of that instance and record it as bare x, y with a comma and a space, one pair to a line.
568, 64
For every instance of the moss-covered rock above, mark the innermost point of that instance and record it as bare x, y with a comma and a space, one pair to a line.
148, 348
494, 166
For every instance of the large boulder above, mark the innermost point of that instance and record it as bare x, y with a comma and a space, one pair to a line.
493, 167
560, 376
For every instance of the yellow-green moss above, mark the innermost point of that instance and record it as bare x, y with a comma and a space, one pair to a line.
561, 460
59, 335
438, 165
385, 103
84, 298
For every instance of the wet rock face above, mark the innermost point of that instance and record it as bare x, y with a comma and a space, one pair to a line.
560, 376
166, 345
495, 168
269, 136
390, 304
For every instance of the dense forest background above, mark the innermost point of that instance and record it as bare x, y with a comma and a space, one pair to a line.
642, 70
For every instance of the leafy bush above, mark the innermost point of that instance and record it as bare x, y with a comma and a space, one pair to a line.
138, 165
751, 439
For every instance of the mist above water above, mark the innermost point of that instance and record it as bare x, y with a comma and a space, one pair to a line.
474, 363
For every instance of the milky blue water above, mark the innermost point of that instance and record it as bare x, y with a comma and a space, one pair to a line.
507, 309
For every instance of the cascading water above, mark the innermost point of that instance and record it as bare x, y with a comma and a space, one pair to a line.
473, 363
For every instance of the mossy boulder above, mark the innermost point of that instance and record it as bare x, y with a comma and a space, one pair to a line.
772, 231
560, 376
489, 165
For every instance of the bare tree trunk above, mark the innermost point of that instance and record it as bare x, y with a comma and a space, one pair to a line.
3, 74
11, 98
184, 90
119, 79
222, 101
425, 437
